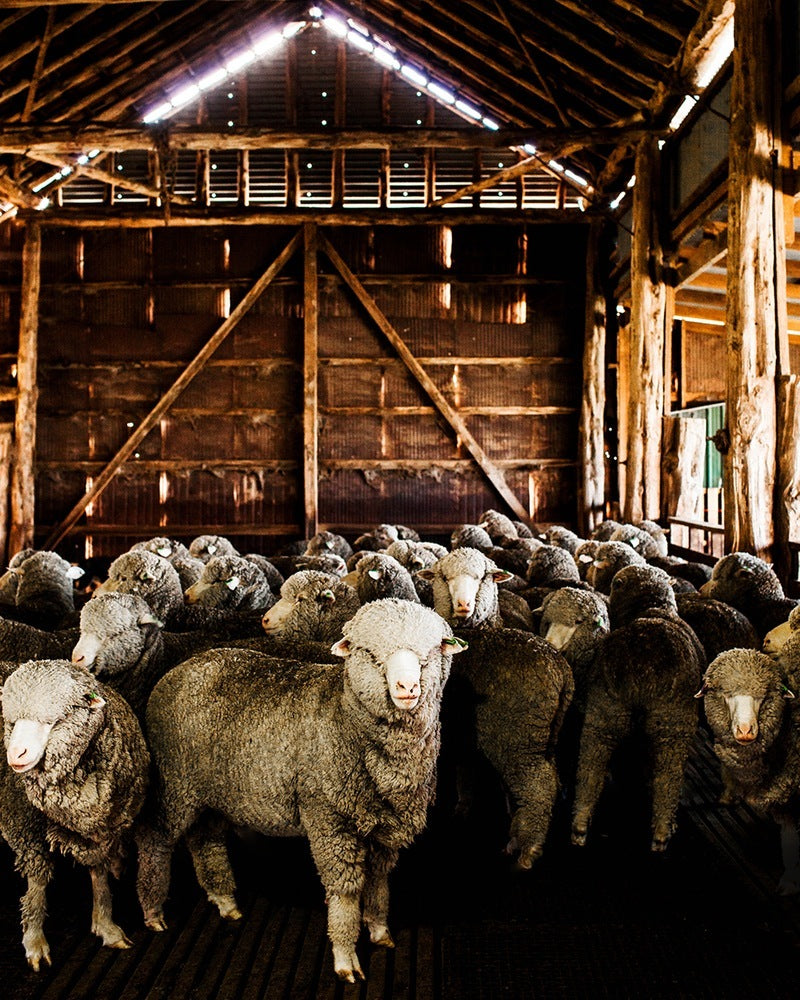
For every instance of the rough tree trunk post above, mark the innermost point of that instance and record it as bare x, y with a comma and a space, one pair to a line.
310, 377
20, 534
756, 291
649, 315
623, 397
787, 515
591, 486
6, 451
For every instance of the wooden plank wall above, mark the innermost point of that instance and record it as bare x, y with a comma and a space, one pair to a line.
494, 313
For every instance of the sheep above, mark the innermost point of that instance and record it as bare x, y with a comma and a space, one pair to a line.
416, 556
751, 586
610, 557
584, 556
345, 757
189, 568
643, 676
379, 538
499, 527
324, 562
717, 625
379, 575
695, 573
328, 541
273, 576
558, 535
148, 575
312, 606
205, 547
644, 543
573, 621
604, 530
507, 698
44, 590
20, 642
471, 536
231, 582
757, 741
552, 566
661, 535
10, 579
777, 637
84, 765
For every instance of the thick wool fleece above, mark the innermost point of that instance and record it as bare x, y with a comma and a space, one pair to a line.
232, 582
638, 591
563, 537
20, 642
467, 562
150, 577
644, 676
205, 547
551, 564
639, 539
302, 749
41, 588
717, 625
751, 586
313, 606
187, 567
91, 780
380, 575
573, 622
609, 559
329, 541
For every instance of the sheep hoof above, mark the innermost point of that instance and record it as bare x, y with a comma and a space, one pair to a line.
659, 845
36, 952
528, 856
579, 837
156, 923
346, 965
379, 935
119, 943
226, 905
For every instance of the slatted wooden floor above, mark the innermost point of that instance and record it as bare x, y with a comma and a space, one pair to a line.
610, 920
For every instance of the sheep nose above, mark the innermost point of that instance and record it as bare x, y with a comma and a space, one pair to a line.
463, 607
745, 733
78, 658
17, 755
406, 690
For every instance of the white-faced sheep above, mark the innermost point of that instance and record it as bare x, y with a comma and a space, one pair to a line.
189, 568
642, 677
231, 582
416, 556
777, 637
312, 607
751, 586
345, 757
574, 622
507, 697
757, 741
609, 559
149, 576
563, 537
83, 763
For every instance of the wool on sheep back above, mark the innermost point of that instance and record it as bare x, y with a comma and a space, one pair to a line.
345, 756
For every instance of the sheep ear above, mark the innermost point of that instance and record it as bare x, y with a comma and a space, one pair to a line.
374, 574
211, 549
426, 574
74, 572
453, 645
327, 597
95, 700
787, 693
341, 648
233, 583
702, 690
584, 558
163, 550
148, 618
501, 575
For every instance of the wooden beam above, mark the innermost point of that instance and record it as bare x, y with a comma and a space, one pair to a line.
36, 77
710, 252
6, 458
183, 380
526, 166
310, 380
76, 138
23, 478
490, 470
649, 310
107, 177
80, 218
13, 192
591, 434
756, 307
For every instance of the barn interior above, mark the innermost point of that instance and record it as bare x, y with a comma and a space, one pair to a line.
269, 268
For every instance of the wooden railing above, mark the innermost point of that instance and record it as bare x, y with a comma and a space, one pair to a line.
699, 541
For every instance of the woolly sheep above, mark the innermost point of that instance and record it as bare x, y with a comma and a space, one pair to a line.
328, 541
499, 527
573, 621
465, 588
643, 675
379, 575
20, 642
416, 556
603, 531
10, 579
552, 566
324, 562
44, 590
188, 568
639, 539
150, 577
610, 557
272, 574
584, 556
84, 764
637, 591
661, 535
775, 639
757, 741
471, 536
312, 606
717, 625
379, 538
558, 535
345, 757
231, 582
205, 547
751, 586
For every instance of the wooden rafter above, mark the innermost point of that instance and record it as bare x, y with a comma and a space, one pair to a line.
38, 69
192, 369
490, 470
107, 177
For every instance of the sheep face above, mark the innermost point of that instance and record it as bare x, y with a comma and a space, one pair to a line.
312, 605
397, 656
744, 697
775, 640
51, 713
116, 629
460, 581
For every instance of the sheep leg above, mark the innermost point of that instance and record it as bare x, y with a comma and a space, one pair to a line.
34, 910
606, 723
206, 842
153, 876
670, 753
376, 895
532, 781
344, 925
102, 921
789, 884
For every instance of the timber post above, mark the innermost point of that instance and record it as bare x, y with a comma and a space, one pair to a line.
22, 494
591, 485
310, 380
756, 298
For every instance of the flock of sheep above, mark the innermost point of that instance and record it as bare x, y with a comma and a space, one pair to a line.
199, 689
